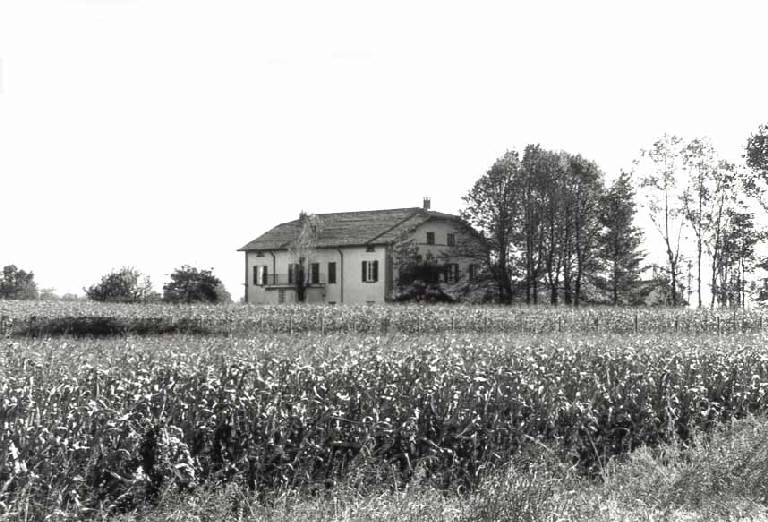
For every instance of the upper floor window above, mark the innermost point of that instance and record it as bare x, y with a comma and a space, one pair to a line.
370, 271
430, 238
370, 248
259, 253
260, 276
450, 239
293, 273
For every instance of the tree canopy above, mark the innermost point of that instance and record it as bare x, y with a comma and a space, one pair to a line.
189, 285
17, 284
126, 285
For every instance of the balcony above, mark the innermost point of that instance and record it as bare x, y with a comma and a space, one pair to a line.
285, 280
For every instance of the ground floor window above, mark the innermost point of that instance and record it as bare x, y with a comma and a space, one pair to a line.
370, 271
451, 273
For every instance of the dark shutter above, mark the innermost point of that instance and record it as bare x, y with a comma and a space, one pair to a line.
331, 273
290, 273
456, 273
375, 271
265, 275
365, 269
255, 275
315, 273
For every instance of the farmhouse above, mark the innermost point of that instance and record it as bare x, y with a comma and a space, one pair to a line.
359, 257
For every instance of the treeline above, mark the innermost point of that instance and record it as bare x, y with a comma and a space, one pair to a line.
554, 227
127, 285
558, 233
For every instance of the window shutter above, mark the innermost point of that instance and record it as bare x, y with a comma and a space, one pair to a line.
375, 271
365, 269
265, 276
456, 272
255, 275
290, 273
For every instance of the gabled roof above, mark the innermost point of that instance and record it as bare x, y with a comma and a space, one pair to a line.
369, 227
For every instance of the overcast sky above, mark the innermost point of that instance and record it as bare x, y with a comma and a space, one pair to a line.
166, 132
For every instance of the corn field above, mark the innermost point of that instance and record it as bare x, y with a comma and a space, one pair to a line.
88, 318
106, 424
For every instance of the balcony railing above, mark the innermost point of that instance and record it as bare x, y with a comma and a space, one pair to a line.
285, 280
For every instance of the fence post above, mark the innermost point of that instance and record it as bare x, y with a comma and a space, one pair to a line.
290, 323
635, 322
559, 324
718, 324
453, 324
322, 321
418, 322
485, 323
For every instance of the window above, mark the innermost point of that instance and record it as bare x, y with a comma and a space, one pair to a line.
260, 275
450, 239
331, 303
451, 273
331, 273
369, 303
259, 253
293, 273
370, 248
472, 272
370, 271
314, 273
430, 238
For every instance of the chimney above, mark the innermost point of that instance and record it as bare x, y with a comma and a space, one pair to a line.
427, 203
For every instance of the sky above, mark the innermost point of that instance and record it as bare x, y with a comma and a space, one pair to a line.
160, 133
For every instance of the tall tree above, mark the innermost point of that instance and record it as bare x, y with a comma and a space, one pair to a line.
301, 250
586, 190
756, 154
699, 161
738, 256
662, 197
535, 186
492, 209
621, 239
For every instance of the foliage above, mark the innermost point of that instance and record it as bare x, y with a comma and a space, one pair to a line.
663, 197
17, 284
491, 208
301, 250
116, 423
23, 318
620, 241
188, 285
127, 285
757, 160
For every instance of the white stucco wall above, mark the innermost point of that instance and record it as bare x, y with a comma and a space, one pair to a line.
349, 287
440, 250
348, 276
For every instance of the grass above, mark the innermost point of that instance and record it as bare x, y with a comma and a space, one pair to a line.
446, 420
719, 476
